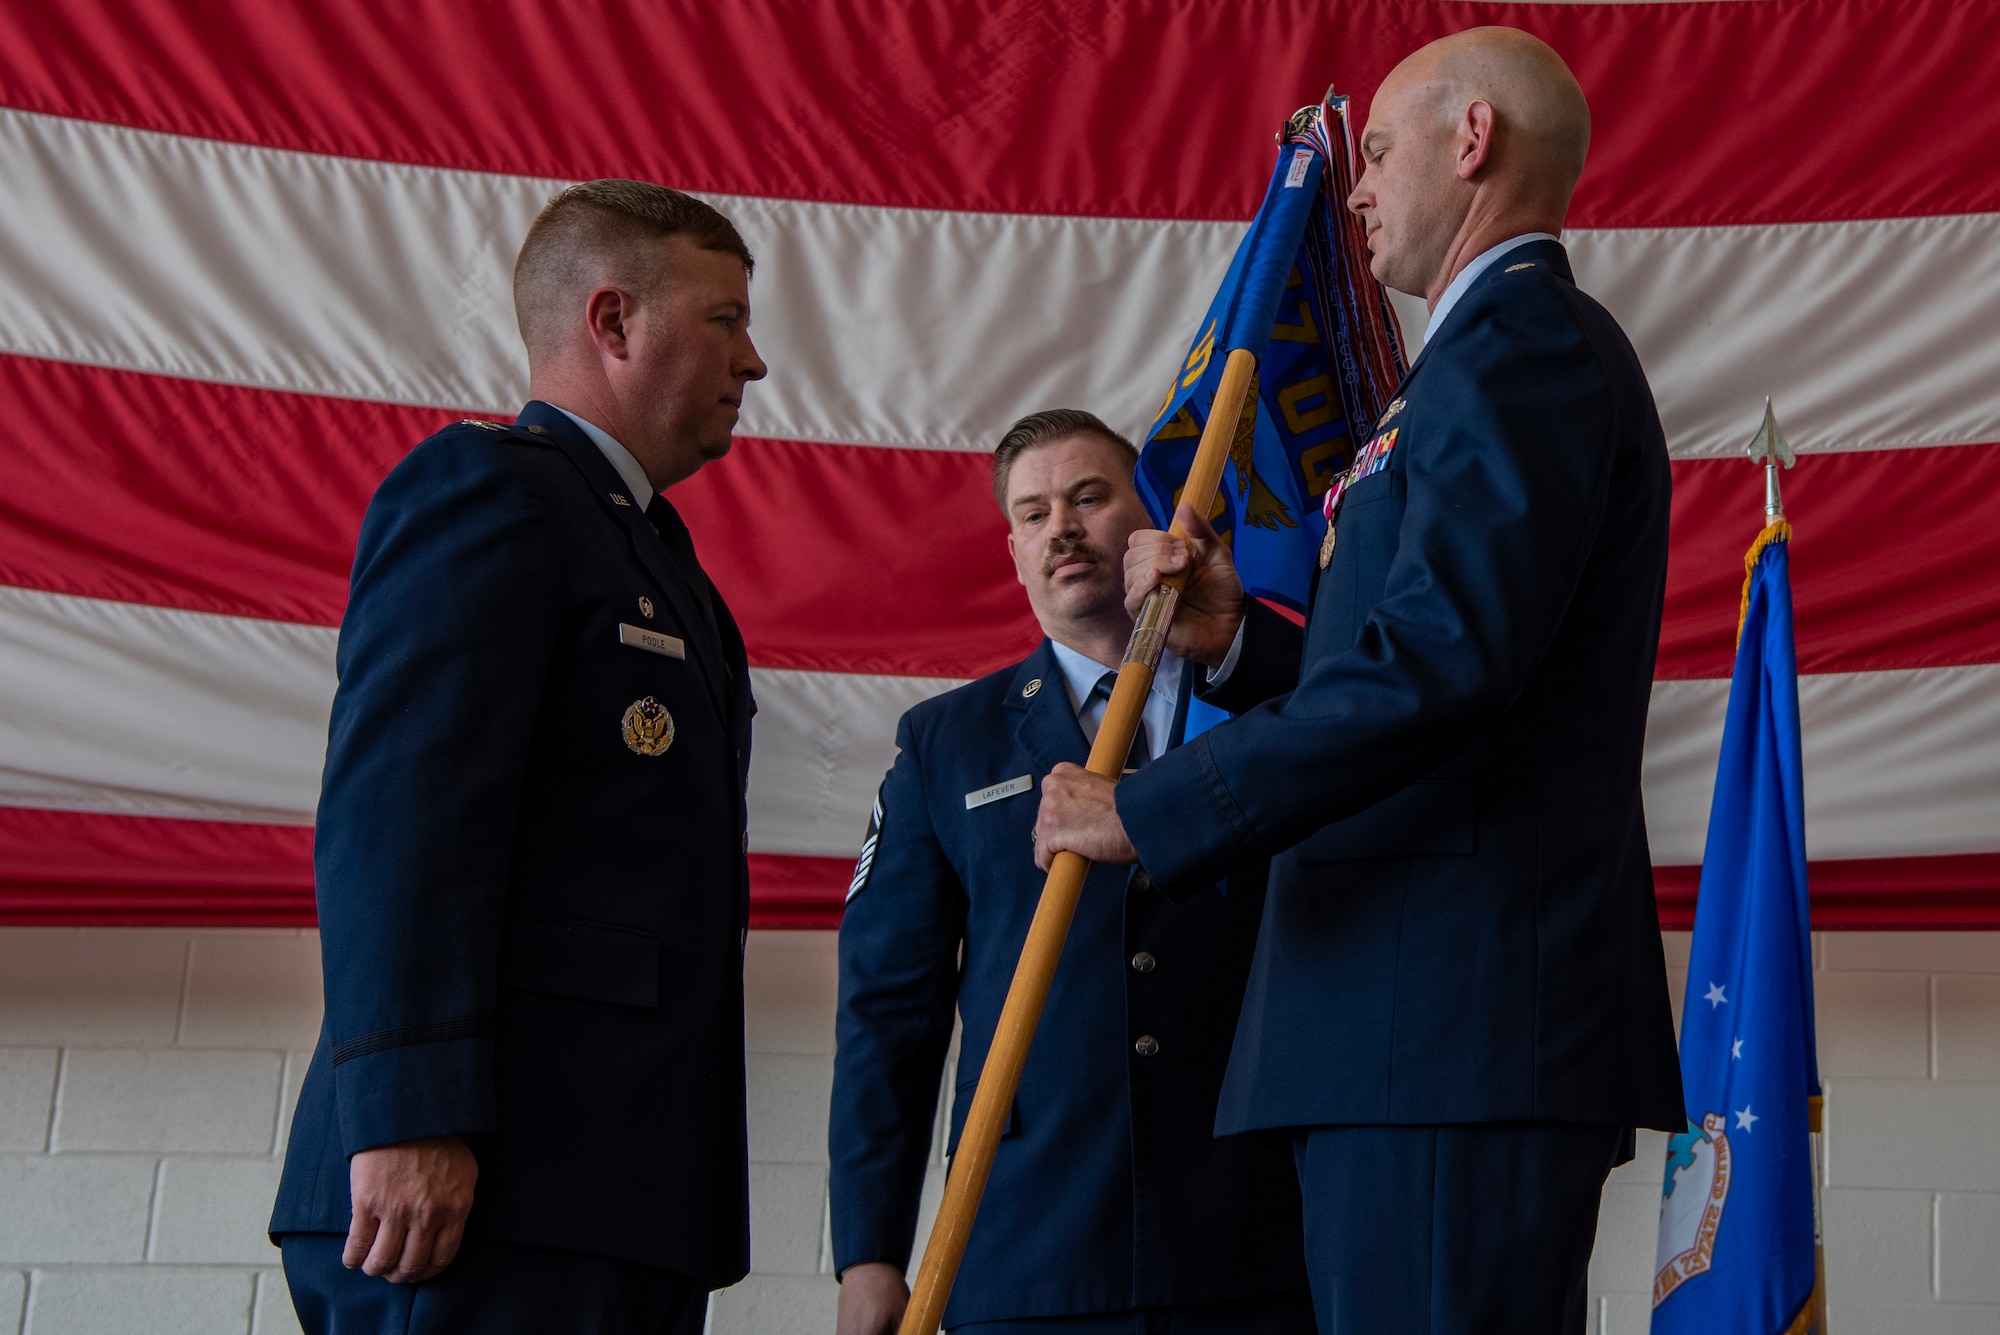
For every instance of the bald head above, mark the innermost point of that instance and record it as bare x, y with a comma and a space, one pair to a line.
1474, 139
1537, 101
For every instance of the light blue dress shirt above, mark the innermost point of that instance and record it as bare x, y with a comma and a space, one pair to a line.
620, 457
1081, 675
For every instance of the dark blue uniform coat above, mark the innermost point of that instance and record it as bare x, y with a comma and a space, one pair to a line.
1108, 1192
532, 932
1460, 925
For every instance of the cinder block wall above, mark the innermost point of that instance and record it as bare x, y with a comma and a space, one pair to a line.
146, 1078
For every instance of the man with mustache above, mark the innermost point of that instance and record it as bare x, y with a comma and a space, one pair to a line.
1112, 1209
1459, 1006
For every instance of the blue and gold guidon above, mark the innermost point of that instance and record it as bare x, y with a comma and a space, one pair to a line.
1299, 296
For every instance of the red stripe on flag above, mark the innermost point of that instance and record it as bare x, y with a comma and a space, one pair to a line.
1703, 113
81, 868
1893, 559
168, 492
846, 558
1871, 894
87, 869
180, 493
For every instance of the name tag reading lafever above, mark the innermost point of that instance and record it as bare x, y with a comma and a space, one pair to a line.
999, 790
651, 640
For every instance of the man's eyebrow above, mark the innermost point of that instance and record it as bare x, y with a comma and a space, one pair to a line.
1371, 139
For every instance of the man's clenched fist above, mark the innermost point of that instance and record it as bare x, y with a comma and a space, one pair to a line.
410, 1204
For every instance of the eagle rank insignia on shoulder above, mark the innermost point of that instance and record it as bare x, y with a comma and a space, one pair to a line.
648, 727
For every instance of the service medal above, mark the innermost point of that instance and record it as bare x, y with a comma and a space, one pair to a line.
648, 727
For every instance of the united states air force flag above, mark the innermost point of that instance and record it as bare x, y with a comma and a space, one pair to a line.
1299, 296
1737, 1237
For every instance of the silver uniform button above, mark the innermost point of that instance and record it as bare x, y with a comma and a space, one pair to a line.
1146, 1046
1143, 962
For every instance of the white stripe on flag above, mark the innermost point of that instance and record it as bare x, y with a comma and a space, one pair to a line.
151, 711
1897, 764
378, 281
115, 707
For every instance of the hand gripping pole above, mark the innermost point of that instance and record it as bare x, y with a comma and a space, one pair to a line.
1037, 969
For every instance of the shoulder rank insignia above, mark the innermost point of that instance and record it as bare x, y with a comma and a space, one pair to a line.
648, 727
482, 422
1516, 268
865, 864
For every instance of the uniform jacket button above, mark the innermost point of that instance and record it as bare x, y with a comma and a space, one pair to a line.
1146, 1046
1141, 882
1143, 962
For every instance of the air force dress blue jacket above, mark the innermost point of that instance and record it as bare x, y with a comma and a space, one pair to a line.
1108, 1192
1460, 925
529, 859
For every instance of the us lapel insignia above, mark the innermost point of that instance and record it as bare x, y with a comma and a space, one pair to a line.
1028, 691
619, 498
648, 727
645, 607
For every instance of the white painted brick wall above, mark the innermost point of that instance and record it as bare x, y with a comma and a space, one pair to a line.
146, 1079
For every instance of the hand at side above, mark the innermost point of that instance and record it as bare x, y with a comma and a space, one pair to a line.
872, 1298
410, 1204
1211, 605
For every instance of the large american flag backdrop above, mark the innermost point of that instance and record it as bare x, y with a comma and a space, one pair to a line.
252, 250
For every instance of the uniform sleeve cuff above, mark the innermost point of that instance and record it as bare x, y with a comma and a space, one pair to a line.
395, 1094
1182, 821
1220, 673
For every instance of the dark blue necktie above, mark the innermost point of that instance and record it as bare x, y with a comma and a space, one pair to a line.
1142, 751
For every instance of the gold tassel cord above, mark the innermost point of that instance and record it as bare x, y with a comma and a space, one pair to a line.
1778, 530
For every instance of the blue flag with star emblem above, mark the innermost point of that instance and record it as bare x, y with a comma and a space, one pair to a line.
1298, 295
1737, 1248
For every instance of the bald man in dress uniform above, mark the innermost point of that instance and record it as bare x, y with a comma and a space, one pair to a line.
1458, 1010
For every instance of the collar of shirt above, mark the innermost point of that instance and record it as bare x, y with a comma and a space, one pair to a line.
1466, 276
1081, 674
619, 457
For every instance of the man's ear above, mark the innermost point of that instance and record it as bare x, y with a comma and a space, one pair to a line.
1475, 139
1019, 578
605, 312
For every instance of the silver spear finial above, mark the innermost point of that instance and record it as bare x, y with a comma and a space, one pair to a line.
1770, 448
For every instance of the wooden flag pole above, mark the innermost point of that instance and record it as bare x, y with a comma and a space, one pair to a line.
1037, 969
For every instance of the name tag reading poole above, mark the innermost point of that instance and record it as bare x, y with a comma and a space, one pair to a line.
998, 791
651, 640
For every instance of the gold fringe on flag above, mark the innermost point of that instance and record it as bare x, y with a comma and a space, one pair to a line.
1778, 530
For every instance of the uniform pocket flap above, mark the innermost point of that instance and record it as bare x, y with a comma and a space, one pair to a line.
961, 1108
591, 961
1431, 819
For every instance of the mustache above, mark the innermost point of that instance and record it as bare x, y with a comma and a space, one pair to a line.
1061, 549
